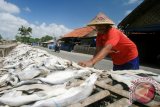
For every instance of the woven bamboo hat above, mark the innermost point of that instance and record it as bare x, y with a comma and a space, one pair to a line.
101, 19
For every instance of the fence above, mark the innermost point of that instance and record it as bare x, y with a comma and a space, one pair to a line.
84, 49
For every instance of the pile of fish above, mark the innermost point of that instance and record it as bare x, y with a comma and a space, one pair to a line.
33, 77
128, 76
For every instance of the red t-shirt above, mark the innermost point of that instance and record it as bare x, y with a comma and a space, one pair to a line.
126, 49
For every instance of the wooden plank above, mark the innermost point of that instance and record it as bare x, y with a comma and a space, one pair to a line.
107, 81
153, 103
124, 102
118, 86
91, 99
113, 89
123, 93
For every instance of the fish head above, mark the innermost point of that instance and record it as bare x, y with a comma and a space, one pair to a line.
83, 72
90, 80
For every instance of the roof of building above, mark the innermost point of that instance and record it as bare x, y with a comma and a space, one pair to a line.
80, 32
145, 16
50, 41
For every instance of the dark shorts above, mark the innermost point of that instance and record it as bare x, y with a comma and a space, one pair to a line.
131, 65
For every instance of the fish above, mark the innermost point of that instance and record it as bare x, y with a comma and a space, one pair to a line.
19, 100
157, 78
14, 98
55, 63
32, 71
61, 77
71, 96
27, 82
13, 93
132, 72
20, 64
126, 78
4, 79
93, 70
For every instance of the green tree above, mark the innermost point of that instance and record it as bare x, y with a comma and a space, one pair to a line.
25, 33
1, 37
18, 38
46, 38
31, 40
37, 40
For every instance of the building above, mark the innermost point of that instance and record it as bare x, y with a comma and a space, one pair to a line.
142, 26
50, 44
79, 40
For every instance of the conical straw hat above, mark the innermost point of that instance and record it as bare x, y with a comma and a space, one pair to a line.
101, 19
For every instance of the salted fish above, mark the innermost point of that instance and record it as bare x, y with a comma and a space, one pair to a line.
4, 79
20, 64
13, 93
60, 77
12, 100
93, 70
132, 72
157, 78
73, 95
55, 63
27, 82
126, 78
32, 71
19, 100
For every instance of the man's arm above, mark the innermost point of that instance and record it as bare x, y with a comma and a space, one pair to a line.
98, 49
101, 53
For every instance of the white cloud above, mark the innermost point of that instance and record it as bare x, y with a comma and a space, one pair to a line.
27, 9
8, 7
10, 24
132, 1
127, 12
127, 2
50, 29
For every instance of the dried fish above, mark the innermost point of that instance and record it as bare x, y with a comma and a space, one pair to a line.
60, 77
73, 95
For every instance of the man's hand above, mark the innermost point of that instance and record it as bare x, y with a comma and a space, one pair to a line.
86, 63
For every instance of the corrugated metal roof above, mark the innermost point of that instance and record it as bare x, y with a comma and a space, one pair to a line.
80, 32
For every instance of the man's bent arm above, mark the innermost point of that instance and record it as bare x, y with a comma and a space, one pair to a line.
98, 49
101, 54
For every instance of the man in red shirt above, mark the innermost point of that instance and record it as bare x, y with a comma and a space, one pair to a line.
111, 41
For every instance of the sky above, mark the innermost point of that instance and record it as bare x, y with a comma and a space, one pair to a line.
58, 17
